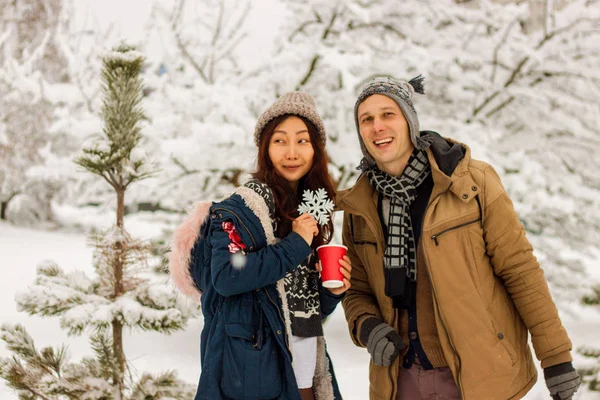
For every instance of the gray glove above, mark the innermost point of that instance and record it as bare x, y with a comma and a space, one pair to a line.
383, 343
562, 381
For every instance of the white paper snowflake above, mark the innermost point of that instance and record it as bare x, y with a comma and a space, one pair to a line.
317, 204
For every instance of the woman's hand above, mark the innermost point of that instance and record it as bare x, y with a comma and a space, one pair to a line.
346, 270
306, 226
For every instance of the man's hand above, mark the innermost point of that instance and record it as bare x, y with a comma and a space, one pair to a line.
562, 381
383, 343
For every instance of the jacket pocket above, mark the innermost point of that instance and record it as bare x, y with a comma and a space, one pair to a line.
251, 367
435, 237
365, 248
503, 339
361, 234
482, 356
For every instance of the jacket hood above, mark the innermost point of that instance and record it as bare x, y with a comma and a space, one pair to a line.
446, 152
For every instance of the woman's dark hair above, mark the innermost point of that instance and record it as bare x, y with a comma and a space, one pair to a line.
286, 200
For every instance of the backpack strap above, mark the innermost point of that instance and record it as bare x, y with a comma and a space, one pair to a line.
182, 244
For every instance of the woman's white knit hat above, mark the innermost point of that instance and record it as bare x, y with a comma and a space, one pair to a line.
292, 103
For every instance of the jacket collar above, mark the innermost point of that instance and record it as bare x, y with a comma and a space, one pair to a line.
360, 198
450, 167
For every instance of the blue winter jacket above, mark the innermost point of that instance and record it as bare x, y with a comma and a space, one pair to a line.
244, 342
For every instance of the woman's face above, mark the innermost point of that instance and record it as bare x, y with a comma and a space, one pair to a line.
290, 150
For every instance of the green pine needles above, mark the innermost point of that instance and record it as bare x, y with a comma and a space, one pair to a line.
591, 373
113, 156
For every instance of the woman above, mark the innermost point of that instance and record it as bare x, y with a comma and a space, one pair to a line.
254, 261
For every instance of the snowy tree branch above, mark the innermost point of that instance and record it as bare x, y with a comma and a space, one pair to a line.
387, 27
509, 82
516, 72
311, 69
471, 36
218, 27
210, 56
38, 393
500, 106
480, 107
302, 26
187, 55
549, 74
564, 29
317, 57
518, 69
227, 50
186, 171
497, 49
176, 16
329, 26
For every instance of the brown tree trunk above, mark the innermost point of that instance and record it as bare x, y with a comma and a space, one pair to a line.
3, 208
117, 326
4, 205
119, 373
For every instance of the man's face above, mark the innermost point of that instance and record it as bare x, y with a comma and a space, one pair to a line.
385, 132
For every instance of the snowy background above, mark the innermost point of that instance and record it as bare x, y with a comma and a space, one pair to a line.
516, 80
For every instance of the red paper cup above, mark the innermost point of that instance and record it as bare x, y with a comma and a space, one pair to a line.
330, 256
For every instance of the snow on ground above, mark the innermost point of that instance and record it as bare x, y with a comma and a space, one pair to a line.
22, 249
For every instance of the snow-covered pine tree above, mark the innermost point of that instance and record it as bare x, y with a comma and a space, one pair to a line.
124, 292
591, 374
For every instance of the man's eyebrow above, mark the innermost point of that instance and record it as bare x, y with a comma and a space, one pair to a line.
363, 114
381, 109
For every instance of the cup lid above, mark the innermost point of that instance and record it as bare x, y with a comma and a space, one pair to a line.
332, 245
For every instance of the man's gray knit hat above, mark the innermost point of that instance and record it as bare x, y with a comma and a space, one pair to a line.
401, 92
293, 103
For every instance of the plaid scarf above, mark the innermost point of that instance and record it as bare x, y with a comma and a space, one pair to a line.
400, 253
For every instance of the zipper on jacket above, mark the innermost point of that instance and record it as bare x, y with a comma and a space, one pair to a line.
437, 235
241, 222
258, 342
280, 317
480, 209
434, 292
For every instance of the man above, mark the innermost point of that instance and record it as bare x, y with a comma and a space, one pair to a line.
445, 287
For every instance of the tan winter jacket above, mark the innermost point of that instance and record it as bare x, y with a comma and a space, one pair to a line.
488, 288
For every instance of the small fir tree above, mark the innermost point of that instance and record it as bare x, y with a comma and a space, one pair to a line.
124, 291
